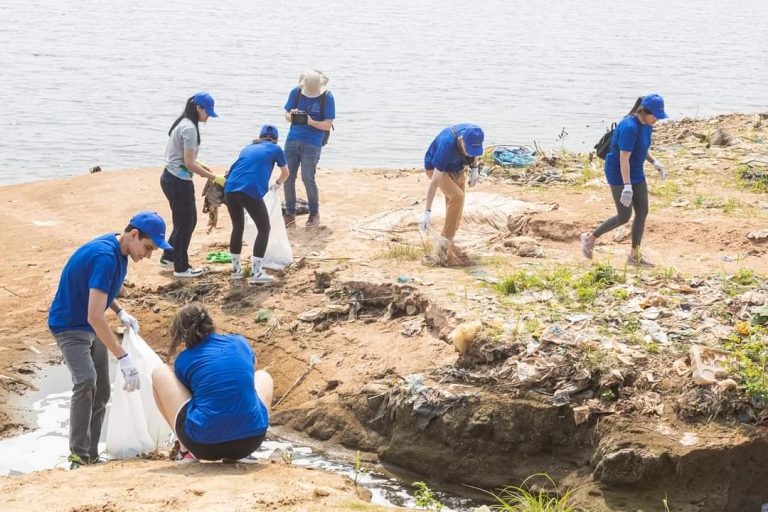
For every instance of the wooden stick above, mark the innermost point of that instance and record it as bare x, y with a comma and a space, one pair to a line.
21, 380
301, 378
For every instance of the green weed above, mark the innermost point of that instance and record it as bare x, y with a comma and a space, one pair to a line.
665, 190
521, 499
754, 178
731, 204
425, 498
403, 252
745, 277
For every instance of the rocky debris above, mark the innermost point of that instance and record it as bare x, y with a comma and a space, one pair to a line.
525, 247
634, 466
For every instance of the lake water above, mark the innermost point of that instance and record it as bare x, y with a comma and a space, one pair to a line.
96, 82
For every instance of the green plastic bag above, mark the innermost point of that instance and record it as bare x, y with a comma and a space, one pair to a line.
218, 257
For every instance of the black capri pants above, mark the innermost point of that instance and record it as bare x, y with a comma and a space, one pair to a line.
237, 202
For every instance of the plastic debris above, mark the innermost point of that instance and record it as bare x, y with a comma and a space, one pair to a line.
463, 335
708, 365
689, 439
654, 330
315, 314
403, 278
513, 156
218, 257
264, 315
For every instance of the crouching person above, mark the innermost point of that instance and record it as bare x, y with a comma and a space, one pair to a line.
213, 399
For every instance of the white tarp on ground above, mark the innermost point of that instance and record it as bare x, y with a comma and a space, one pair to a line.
485, 215
135, 425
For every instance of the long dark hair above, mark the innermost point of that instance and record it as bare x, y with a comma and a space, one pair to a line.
191, 113
191, 324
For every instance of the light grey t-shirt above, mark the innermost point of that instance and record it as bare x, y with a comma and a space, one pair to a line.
183, 136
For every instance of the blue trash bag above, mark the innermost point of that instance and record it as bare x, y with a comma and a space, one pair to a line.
514, 156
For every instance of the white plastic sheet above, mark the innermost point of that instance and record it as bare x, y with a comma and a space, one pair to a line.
279, 253
135, 424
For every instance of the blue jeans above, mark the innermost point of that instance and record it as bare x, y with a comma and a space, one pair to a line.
300, 153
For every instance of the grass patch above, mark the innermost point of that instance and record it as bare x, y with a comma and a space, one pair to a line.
522, 499
754, 178
750, 360
403, 252
731, 204
665, 190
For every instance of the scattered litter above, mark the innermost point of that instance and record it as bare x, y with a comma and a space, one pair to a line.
558, 335
525, 246
689, 439
651, 313
758, 236
403, 278
729, 258
94, 169
708, 364
218, 257
681, 367
578, 318
315, 314
654, 330
414, 327
463, 335
264, 315
513, 156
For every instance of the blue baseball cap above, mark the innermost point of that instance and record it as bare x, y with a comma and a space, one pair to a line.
473, 140
205, 100
153, 225
655, 105
269, 130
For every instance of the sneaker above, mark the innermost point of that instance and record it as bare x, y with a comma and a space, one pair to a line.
250, 459
75, 461
313, 221
237, 272
166, 264
261, 278
190, 272
96, 460
289, 219
641, 262
186, 457
587, 245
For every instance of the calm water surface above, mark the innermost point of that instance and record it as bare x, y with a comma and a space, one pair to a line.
88, 82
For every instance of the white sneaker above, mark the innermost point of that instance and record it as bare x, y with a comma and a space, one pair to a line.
237, 273
261, 278
190, 272
166, 264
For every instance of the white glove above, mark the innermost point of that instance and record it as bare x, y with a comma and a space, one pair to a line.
130, 374
660, 168
626, 195
128, 320
273, 187
424, 225
474, 177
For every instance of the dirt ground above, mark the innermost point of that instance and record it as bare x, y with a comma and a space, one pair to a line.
698, 225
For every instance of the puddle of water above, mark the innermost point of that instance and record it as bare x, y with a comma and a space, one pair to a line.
48, 447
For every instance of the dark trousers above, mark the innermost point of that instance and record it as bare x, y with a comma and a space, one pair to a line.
181, 196
624, 213
257, 209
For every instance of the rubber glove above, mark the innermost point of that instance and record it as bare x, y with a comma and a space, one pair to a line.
273, 187
424, 225
626, 195
130, 374
474, 176
220, 180
128, 320
660, 168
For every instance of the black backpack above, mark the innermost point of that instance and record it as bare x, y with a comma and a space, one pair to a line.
603, 146
326, 133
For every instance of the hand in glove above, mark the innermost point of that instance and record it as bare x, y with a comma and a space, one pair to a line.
220, 180
474, 176
130, 374
626, 195
128, 320
660, 168
273, 187
424, 224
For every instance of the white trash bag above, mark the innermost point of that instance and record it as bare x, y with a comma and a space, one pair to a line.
279, 253
135, 424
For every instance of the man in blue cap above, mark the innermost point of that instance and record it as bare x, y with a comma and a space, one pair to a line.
454, 149
89, 283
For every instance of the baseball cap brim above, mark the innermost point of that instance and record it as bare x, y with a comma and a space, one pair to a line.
474, 149
660, 114
211, 112
162, 244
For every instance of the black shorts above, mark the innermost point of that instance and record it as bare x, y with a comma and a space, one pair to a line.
237, 449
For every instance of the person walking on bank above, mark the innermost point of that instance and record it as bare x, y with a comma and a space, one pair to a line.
247, 184
213, 399
311, 110
454, 149
624, 171
180, 166
89, 283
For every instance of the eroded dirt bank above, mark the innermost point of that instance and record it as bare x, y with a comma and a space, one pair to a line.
581, 371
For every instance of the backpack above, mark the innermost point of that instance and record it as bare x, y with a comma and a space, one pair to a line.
326, 133
603, 146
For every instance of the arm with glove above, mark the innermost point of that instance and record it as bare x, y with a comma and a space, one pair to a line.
431, 191
279, 182
97, 305
626, 194
659, 167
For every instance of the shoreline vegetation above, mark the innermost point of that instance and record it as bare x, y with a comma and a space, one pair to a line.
629, 389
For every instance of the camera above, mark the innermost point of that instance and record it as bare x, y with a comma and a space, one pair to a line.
299, 117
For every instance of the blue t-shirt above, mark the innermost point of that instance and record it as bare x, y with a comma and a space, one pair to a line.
251, 171
444, 153
224, 405
630, 135
97, 264
304, 132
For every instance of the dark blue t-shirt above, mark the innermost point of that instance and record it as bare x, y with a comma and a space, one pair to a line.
252, 170
97, 264
630, 135
224, 405
304, 132
444, 154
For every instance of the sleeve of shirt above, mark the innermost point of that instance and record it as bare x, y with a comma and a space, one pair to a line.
291, 99
627, 137
330, 107
189, 137
280, 157
441, 156
102, 273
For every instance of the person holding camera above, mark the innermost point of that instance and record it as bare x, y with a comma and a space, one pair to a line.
247, 184
454, 149
624, 163
311, 110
